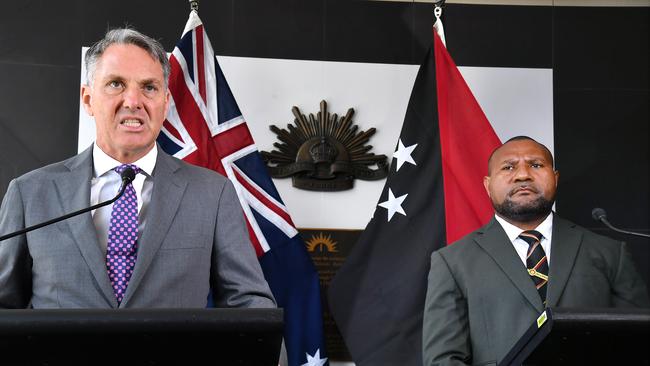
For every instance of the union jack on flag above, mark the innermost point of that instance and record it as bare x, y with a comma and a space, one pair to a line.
205, 127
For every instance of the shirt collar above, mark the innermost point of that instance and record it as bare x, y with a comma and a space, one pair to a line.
512, 231
102, 163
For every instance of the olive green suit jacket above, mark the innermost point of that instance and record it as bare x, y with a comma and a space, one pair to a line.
480, 299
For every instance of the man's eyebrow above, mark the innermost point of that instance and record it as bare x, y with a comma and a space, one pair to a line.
537, 158
508, 161
114, 77
150, 81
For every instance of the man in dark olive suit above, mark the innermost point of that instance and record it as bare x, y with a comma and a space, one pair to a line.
485, 290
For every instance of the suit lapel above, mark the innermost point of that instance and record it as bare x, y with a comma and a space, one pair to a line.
168, 189
72, 197
496, 243
564, 248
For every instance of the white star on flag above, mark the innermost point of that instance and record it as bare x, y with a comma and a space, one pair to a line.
315, 360
403, 154
393, 204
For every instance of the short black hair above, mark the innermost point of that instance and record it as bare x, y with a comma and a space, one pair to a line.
519, 138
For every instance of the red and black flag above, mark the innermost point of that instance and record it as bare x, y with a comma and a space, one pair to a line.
433, 196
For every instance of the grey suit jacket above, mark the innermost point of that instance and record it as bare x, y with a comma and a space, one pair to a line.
195, 239
480, 299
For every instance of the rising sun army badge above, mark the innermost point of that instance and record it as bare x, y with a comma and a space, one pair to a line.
324, 152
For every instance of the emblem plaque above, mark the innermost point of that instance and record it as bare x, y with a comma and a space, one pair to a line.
324, 152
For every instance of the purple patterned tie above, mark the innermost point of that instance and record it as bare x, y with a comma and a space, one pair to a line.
121, 251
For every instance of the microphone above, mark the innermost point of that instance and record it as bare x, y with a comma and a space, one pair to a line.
600, 215
128, 175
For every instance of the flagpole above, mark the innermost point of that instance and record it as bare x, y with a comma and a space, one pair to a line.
194, 5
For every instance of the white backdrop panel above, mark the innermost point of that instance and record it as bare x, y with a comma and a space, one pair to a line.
515, 101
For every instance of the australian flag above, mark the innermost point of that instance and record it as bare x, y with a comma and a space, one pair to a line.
205, 127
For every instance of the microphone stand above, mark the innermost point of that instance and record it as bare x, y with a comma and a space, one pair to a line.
125, 182
599, 215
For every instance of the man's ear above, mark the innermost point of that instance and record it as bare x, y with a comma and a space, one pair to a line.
86, 98
486, 184
167, 96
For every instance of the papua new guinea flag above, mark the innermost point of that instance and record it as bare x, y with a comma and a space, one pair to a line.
433, 196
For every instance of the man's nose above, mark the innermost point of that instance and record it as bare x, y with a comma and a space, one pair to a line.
132, 98
522, 173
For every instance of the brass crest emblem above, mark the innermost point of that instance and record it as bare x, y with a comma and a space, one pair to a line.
324, 152
321, 243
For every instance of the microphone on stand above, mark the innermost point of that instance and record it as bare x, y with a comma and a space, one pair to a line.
127, 177
600, 215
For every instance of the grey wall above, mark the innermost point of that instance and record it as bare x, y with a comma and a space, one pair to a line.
600, 74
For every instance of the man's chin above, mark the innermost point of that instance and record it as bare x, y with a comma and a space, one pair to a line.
524, 210
129, 152
137, 145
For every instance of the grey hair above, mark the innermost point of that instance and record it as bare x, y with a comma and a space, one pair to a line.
125, 36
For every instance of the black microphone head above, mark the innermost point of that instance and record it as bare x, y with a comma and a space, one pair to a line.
598, 214
128, 175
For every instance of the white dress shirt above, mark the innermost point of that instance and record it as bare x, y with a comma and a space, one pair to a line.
545, 228
106, 183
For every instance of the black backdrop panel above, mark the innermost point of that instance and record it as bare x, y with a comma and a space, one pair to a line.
40, 116
163, 20
285, 29
601, 119
599, 58
500, 36
358, 30
601, 48
608, 166
43, 33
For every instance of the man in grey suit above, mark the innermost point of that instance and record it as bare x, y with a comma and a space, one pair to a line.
186, 231
485, 290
